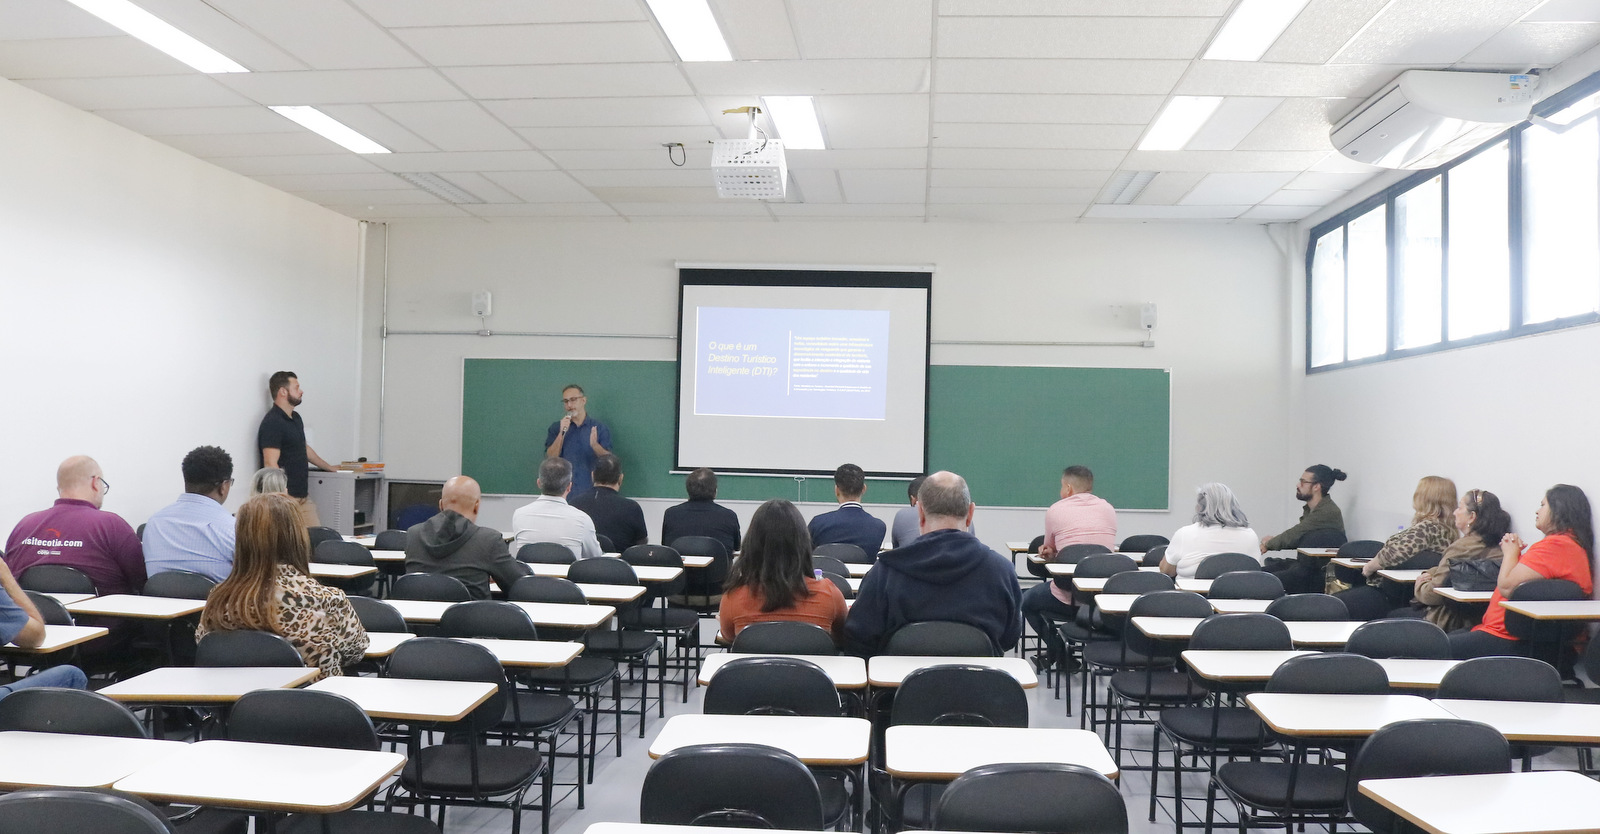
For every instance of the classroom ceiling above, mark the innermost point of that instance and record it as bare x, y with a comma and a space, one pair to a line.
990, 110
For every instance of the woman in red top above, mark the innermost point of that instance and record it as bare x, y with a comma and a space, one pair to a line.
773, 578
1565, 552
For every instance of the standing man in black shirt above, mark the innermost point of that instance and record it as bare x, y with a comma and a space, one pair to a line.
282, 440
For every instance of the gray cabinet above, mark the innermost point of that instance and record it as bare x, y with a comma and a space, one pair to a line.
349, 501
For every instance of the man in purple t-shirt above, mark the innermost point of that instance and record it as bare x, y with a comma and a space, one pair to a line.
75, 532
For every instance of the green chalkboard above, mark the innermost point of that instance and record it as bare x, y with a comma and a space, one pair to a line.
1008, 430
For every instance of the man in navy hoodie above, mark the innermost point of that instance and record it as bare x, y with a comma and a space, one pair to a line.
944, 574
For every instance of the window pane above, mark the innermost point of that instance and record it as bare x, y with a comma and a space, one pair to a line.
1562, 222
1479, 285
1367, 294
1418, 230
1327, 299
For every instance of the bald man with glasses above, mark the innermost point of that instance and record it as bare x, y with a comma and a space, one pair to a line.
76, 532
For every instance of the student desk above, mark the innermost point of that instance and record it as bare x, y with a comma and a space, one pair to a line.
325, 570
1314, 634
834, 742
60, 760
1065, 569
1195, 586
1543, 801
941, 753
1532, 721
1318, 552
264, 777
368, 542
134, 606
58, 637
646, 573
858, 569
1415, 673
549, 614
408, 699
383, 643
65, 598
530, 654
387, 556
1555, 609
1405, 577
594, 592
1325, 716
1353, 564
1242, 665
845, 671
205, 685
887, 671
697, 561
1464, 596
1115, 603
1240, 606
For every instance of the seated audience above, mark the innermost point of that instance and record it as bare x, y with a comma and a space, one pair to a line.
21, 624
1220, 526
701, 515
551, 519
1320, 516
851, 523
944, 574
618, 519
905, 526
773, 578
1565, 552
1432, 528
268, 479
1080, 517
75, 532
194, 533
453, 544
1482, 524
271, 589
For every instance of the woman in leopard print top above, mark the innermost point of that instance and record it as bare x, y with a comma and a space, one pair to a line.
271, 589
1432, 528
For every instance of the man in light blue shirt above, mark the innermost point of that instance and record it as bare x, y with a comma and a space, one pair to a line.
195, 533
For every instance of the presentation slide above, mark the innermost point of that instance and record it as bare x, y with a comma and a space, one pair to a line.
798, 371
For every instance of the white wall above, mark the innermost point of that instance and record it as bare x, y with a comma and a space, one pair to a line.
1219, 289
148, 296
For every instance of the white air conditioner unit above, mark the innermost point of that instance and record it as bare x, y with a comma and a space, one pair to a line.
1426, 118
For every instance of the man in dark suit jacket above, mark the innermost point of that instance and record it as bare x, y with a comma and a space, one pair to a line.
850, 524
701, 515
453, 544
619, 519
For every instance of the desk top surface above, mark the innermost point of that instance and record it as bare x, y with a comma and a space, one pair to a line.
1319, 552
206, 684
264, 777
1237, 664
1406, 576
1297, 714
595, 592
406, 699
383, 643
58, 637
531, 654
1531, 721
139, 607
1240, 606
891, 670
329, 570
39, 760
64, 598
1538, 802
943, 753
1309, 633
1416, 673
1464, 596
1556, 609
845, 671
645, 573
1195, 586
554, 614
815, 741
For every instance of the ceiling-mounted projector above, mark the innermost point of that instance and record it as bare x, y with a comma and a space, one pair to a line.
752, 167
1426, 118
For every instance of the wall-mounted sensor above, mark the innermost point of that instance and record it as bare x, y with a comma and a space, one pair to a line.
481, 303
1147, 316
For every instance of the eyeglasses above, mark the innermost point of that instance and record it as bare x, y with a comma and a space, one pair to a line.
105, 485
1307, 482
571, 400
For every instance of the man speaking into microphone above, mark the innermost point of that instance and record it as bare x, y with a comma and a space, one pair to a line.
577, 438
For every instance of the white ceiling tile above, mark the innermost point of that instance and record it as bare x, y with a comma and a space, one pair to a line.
1024, 196
181, 120
1566, 10
806, 78
973, 135
339, 163
1321, 30
216, 29
1045, 109
1221, 161
250, 144
571, 210
818, 185
656, 158
374, 125
1235, 189
705, 192
757, 30
852, 29
694, 208
50, 19
1054, 76
665, 178
1416, 32
1168, 188
618, 138
369, 197
481, 187
397, 13
1027, 158
831, 211
192, 90
541, 186
866, 186
1232, 121
993, 213
440, 161
990, 178
1086, 8
1302, 197
557, 43
429, 211
1245, 78
84, 58
879, 158
1331, 182
600, 112
1337, 163
1534, 44
572, 81
325, 35
1278, 214
1299, 124
1073, 37
899, 121
1137, 212
356, 86
454, 125
375, 181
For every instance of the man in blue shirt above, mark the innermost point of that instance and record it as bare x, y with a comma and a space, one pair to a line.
21, 624
195, 533
851, 523
578, 439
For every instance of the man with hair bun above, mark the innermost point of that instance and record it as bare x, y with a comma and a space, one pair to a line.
1320, 512
195, 533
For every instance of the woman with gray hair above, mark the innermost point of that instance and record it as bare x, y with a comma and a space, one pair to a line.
1219, 526
269, 480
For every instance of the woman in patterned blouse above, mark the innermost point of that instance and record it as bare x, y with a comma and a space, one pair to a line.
1432, 528
271, 589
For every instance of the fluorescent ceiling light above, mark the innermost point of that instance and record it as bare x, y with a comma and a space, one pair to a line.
315, 120
1575, 111
1178, 122
796, 120
159, 34
1252, 28
692, 29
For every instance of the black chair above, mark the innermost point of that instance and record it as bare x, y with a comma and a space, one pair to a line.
341, 552
659, 611
828, 564
308, 718
841, 582
584, 676
627, 643
1106, 658
1358, 549
1149, 681
75, 811
1218, 564
1091, 625
1308, 608
1141, 543
378, 616
323, 534
390, 540
1037, 798
394, 540
700, 586
548, 553
845, 553
57, 579
1548, 640
1036, 568
783, 637
1590, 663
1422, 747
750, 785
1503, 679
465, 770
1326, 538
245, 648
1154, 557
179, 584
606, 545
139, 531
940, 638
1400, 638
437, 587
51, 609
1246, 584
48, 709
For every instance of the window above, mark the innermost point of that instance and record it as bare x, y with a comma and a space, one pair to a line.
1327, 299
1479, 251
1419, 265
1367, 286
1561, 213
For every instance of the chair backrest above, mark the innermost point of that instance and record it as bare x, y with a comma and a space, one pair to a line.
940, 637
1075, 553
323, 534
57, 579
605, 570
489, 619
49, 709
1549, 632
841, 582
1422, 747
139, 531
1590, 662
1330, 674
1358, 549
1401, 637
390, 540
958, 694
705, 581
829, 565
845, 553
1323, 538
1141, 543
605, 542
771, 686
1421, 560
51, 610
549, 589
341, 552
783, 637
1495, 679
1309, 608
1139, 582
1032, 798
443, 659
748, 785
437, 587
302, 717
1246, 584
1242, 631
1038, 542
76, 810
379, 616
245, 648
1218, 564
546, 553
1162, 604
1095, 566
1154, 557
179, 584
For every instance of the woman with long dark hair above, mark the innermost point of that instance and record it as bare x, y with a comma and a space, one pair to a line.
1482, 524
773, 579
1565, 552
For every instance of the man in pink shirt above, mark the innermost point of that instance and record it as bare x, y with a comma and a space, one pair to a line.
1080, 517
